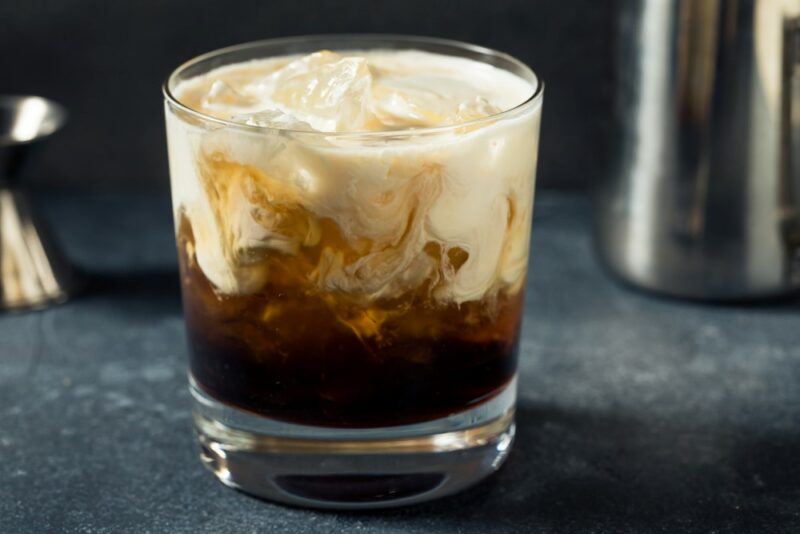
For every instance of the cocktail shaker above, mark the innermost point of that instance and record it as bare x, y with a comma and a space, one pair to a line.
703, 197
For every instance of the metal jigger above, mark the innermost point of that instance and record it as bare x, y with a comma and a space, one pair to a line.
33, 272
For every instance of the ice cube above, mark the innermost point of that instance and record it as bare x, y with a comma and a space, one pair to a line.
477, 108
408, 107
223, 97
425, 100
326, 90
273, 118
401, 107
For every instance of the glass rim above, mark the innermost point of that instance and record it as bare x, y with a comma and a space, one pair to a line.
530, 102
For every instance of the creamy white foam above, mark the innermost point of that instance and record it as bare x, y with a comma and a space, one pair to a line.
251, 194
374, 90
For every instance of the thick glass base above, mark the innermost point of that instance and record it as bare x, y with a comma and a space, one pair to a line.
344, 468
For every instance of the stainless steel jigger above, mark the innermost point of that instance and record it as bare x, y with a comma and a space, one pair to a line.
33, 272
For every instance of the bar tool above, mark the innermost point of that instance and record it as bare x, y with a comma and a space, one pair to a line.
33, 272
703, 200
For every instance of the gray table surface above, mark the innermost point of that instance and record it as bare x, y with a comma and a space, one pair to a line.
636, 414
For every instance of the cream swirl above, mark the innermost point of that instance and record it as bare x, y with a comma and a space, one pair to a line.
446, 210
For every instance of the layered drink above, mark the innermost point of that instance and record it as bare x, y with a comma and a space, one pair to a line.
353, 229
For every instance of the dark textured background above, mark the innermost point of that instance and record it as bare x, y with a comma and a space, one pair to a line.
106, 60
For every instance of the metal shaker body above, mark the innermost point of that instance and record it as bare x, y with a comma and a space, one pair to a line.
703, 198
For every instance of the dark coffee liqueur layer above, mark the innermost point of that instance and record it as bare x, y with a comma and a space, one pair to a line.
297, 355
